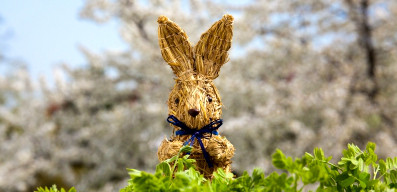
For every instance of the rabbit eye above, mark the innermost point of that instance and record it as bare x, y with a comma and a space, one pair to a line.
209, 98
177, 100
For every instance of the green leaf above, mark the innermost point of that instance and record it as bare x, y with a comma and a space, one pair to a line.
164, 168
342, 176
188, 163
395, 163
382, 166
362, 184
172, 159
309, 156
181, 167
134, 173
354, 162
257, 176
222, 177
393, 176
186, 149
364, 176
347, 182
319, 154
364, 179
279, 159
361, 165
370, 146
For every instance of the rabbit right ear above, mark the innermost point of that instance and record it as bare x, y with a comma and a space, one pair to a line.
211, 52
175, 46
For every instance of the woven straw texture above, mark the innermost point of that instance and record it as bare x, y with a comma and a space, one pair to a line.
195, 69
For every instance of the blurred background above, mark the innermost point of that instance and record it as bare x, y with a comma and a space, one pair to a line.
83, 86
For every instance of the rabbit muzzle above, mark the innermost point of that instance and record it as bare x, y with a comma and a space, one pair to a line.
193, 112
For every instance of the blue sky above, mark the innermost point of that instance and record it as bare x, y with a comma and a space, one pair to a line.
46, 33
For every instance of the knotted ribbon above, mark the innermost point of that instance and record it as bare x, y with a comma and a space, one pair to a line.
196, 134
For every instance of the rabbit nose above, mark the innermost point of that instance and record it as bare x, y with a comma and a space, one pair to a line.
193, 112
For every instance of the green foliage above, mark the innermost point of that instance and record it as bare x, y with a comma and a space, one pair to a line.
54, 188
357, 170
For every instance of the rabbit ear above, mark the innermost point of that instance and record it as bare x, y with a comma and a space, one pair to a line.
175, 46
211, 52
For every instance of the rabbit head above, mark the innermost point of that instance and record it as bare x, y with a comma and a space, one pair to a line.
195, 100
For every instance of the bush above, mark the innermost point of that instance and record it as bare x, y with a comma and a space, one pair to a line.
358, 170
54, 189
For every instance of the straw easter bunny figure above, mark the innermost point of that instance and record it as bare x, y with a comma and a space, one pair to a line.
194, 103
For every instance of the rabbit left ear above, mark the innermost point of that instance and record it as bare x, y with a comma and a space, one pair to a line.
211, 52
175, 46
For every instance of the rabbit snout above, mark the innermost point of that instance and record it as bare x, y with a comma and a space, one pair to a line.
193, 112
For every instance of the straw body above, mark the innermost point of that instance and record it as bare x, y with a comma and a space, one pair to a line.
195, 100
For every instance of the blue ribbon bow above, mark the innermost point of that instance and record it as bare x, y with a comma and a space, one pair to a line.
196, 134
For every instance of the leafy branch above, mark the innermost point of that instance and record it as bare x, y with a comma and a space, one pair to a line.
352, 173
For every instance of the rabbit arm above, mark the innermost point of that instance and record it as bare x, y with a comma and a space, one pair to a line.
175, 46
211, 52
168, 149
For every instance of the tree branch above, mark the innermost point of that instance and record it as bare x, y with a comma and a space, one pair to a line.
365, 40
